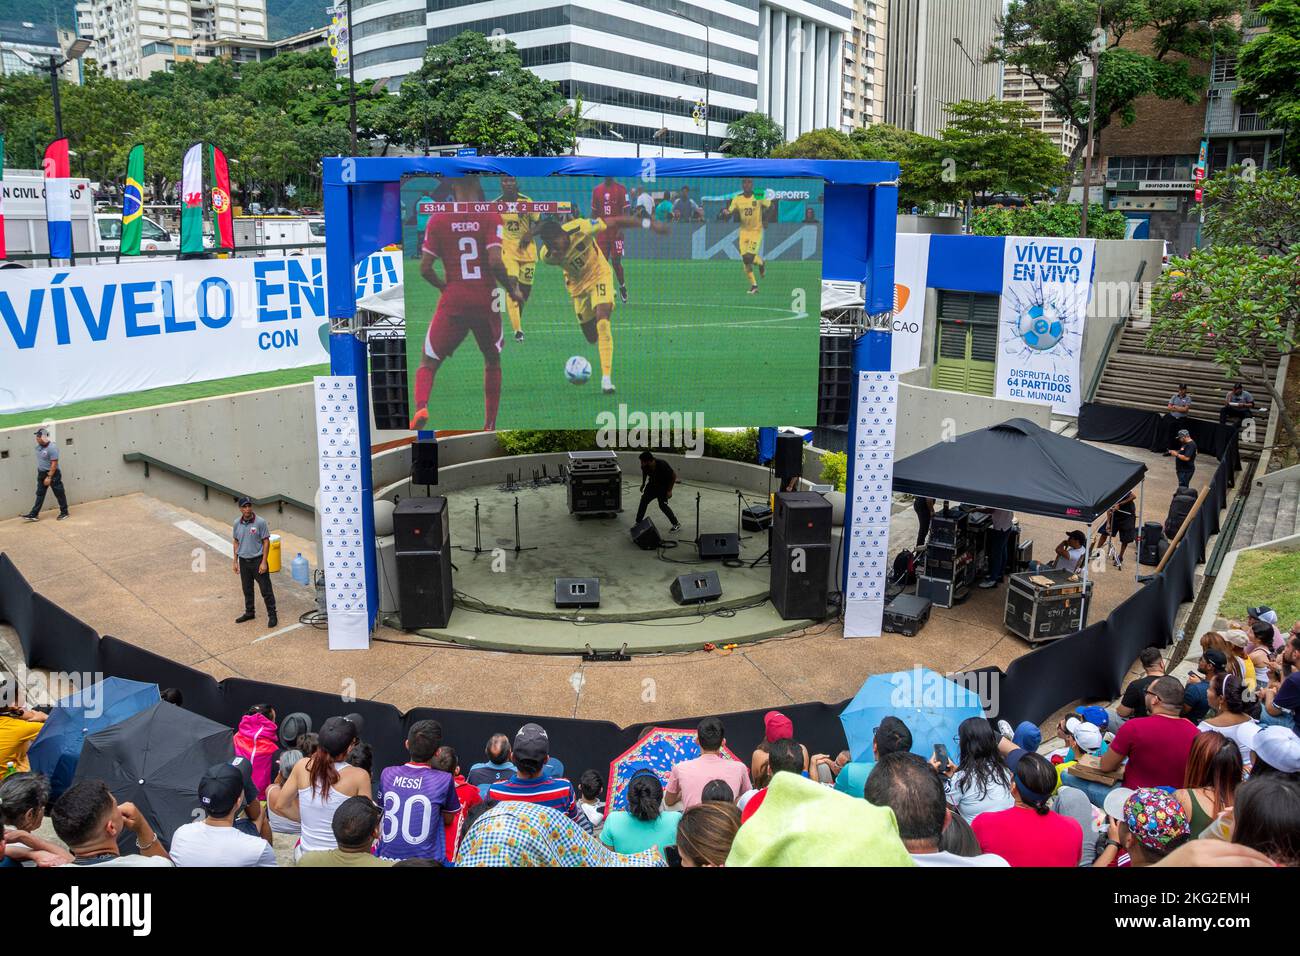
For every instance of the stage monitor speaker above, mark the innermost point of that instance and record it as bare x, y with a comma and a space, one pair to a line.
421, 525
799, 580
801, 517
424, 588
424, 461
788, 461
697, 588
577, 592
756, 518
389, 397
1149, 551
719, 547
645, 535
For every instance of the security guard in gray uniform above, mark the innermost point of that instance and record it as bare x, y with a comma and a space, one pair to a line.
252, 547
49, 476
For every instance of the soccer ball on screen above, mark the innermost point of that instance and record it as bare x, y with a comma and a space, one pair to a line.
1040, 327
577, 370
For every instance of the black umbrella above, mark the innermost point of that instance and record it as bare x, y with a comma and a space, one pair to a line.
155, 760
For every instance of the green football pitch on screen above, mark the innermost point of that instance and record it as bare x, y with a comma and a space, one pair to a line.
545, 302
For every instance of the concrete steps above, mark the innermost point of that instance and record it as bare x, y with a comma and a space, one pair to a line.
1272, 511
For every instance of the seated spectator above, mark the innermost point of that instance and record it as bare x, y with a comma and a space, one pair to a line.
23, 797
786, 756
1214, 769
825, 770
292, 728
1081, 738
705, 834
1133, 701
172, 695
19, 726
1238, 661
528, 834
284, 766
776, 726
355, 829
362, 756
1196, 695
1152, 823
806, 824
530, 783
466, 793
718, 791
319, 785
958, 838
1266, 615
1074, 803
912, 788
1155, 747
642, 826
497, 767
1267, 818
591, 788
1030, 833
1276, 750
214, 841
258, 739
419, 800
686, 780
981, 781
1282, 696
89, 820
1230, 718
1259, 648
892, 736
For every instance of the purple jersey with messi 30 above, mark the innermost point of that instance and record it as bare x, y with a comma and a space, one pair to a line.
414, 797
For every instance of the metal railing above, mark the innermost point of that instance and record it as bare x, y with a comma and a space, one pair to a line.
277, 499
1115, 330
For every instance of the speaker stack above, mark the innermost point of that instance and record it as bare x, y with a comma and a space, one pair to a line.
388, 394
788, 461
801, 555
424, 461
422, 544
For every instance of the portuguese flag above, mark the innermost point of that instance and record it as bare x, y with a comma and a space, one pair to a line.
192, 201
223, 217
133, 202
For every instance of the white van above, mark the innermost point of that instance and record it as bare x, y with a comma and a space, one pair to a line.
25, 226
153, 237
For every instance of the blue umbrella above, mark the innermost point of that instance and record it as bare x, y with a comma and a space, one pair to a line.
931, 705
57, 748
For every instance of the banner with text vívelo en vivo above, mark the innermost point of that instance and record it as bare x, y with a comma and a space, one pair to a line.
89, 332
1045, 288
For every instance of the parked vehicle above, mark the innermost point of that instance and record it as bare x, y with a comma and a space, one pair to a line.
301, 236
25, 226
153, 237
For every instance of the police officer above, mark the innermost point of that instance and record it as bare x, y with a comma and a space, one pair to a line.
48, 475
252, 547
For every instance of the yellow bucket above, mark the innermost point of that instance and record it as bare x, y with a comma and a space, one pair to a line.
273, 555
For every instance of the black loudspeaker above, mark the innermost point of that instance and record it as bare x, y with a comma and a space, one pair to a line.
424, 588
645, 535
1149, 551
577, 592
388, 395
420, 525
424, 461
719, 547
801, 517
697, 588
788, 461
799, 580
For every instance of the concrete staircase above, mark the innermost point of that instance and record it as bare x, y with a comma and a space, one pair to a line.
1272, 510
1139, 378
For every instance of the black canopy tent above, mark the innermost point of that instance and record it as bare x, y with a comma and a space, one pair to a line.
1020, 466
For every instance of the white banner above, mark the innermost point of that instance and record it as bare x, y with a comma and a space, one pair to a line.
339, 451
868, 511
1045, 288
911, 268
91, 331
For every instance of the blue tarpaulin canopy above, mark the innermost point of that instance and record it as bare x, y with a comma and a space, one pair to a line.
931, 705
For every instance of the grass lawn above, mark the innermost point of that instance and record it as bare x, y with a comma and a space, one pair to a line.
164, 396
1271, 578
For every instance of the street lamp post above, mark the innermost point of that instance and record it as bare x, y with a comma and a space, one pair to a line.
974, 67
75, 52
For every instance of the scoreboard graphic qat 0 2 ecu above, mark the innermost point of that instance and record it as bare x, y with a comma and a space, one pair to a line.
545, 302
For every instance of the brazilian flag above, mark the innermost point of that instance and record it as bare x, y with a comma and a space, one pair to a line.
133, 202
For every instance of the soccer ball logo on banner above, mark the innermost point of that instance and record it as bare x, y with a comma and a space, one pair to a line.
1040, 326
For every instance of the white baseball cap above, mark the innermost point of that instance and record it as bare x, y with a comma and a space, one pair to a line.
1278, 747
1086, 735
1113, 805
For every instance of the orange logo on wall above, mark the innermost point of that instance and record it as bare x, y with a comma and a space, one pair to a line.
901, 294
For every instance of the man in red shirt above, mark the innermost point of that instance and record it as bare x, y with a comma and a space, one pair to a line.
609, 199
468, 244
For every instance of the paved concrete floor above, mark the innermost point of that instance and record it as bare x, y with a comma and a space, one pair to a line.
123, 566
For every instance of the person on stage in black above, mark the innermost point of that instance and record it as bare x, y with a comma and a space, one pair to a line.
1184, 458
657, 480
1121, 523
924, 508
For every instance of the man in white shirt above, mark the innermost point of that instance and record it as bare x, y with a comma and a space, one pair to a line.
89, 820
1070, 554
643, 204
909, 786
214, 841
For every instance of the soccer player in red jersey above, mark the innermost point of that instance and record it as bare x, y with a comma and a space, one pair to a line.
469, 246
608, 201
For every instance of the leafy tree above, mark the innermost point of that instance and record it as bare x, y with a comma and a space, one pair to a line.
1047, 219
1239, 296
916, 155
1051, 40
818, 144
753, 135
987, 149
1269, 67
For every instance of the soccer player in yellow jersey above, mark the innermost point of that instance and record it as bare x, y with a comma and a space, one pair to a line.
518, 251
589, 278
750, 210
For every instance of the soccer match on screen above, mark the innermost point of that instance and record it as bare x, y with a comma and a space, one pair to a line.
539, 302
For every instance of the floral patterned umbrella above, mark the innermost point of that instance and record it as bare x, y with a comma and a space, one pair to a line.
659, 750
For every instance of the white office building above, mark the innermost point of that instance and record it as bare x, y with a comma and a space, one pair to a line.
654, 76
864, 66
134, 38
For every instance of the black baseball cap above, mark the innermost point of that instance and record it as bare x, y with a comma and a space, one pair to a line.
336, 734
531, 743
222, 784
42, 431
244, 500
